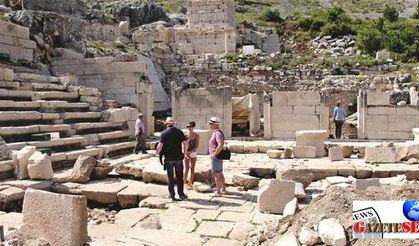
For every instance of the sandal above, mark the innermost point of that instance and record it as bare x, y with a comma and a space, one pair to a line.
216, 194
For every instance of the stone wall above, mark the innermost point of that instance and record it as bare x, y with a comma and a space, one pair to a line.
15, 43
200, 105
377, 119
287, 112
268, 41
210, 12
118, 80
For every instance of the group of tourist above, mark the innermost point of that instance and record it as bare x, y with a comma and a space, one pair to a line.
180, 154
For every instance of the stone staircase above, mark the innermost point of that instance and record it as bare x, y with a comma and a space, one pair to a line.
60, 119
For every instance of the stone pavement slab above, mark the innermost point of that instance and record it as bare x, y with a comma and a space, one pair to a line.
103, 192
164, 238
205, 214
222, 241
241, 230
235, 217
214, 228
178, 219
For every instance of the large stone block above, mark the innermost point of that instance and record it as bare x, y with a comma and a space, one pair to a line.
82, 169
39, 166
380, 154
304, 152
331, 232
306, 98
274, 195
378, 98
57, 218
122, 114
20, 159
313, 138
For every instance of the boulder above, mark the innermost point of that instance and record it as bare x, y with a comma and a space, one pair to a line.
245, 181
304, 152
57, 218
314, 138
331, 232
101, 170
335, 154
155, 202
123, 27
39, 166
274, 195
287, 153
291, 207
308, 236
274, 154
201, 187
406, 152
347, 151
20, 159
82, 169
5, 152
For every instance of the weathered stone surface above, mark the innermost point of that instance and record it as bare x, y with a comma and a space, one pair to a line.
304, 152
299, 192
214, 228
122, 114
39, 166
336, 180
287, 153
347, 151
221, 241
416, 134
362, 184
182, 218
131, 169
160, 237
150, 222
274, 154
153, 172
245, 181
236, 148
308, 236
288, 239
249, 148
82, 169
406, 152
314, 138
380, 154
274, 195
155, 202
101, 170
10, 195
201, 187
241, 230
335, 154
5, 152
301, 175
20, 159
331, 232
66, 223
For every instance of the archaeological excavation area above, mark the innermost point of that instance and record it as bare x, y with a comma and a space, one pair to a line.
69, 174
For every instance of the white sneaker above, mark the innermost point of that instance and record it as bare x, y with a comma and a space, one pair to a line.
216, 194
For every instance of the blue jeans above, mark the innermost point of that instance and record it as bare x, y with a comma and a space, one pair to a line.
216, 165
178, 166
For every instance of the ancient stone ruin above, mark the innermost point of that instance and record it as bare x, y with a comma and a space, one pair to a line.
68, 107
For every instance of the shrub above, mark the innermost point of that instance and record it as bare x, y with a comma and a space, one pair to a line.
369, 39
271, 16
337, 29
390, 13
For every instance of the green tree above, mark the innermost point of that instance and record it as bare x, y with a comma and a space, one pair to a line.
390, 13
369, 39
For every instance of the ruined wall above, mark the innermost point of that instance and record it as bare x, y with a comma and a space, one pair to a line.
14, 42
377, 119
210, 12
287, 112
200, 105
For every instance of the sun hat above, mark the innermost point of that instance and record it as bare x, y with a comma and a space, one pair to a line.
214, 120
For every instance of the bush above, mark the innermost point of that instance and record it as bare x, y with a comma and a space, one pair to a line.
305, 24
271, 16
390, 13
337, 29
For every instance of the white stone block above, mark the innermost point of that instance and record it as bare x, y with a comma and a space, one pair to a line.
304, 152
378, 98
274, 195
39, 166
313, 138
335, 154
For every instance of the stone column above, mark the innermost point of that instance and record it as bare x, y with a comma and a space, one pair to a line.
254, 116
362, 111
267, 130
413, 96
146, 105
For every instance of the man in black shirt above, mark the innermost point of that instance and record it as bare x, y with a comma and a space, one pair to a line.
170, 145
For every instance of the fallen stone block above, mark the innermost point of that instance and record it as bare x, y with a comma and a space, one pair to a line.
308, 236
104, 193
153, 172
236, 148
5, 152
101, 170
82, 169
363, 184
298, 175
274, 195
304, 152
20, 159
380, 154
291, 207
331, 232
39, 166
337, 180
335, 154
361, 152
274, 154
251, 149
288, 239
130, 169
57, 218
314, 138
347, 151
10, 195
201, 187
406, 152
245, 181
413, 161
299, 191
